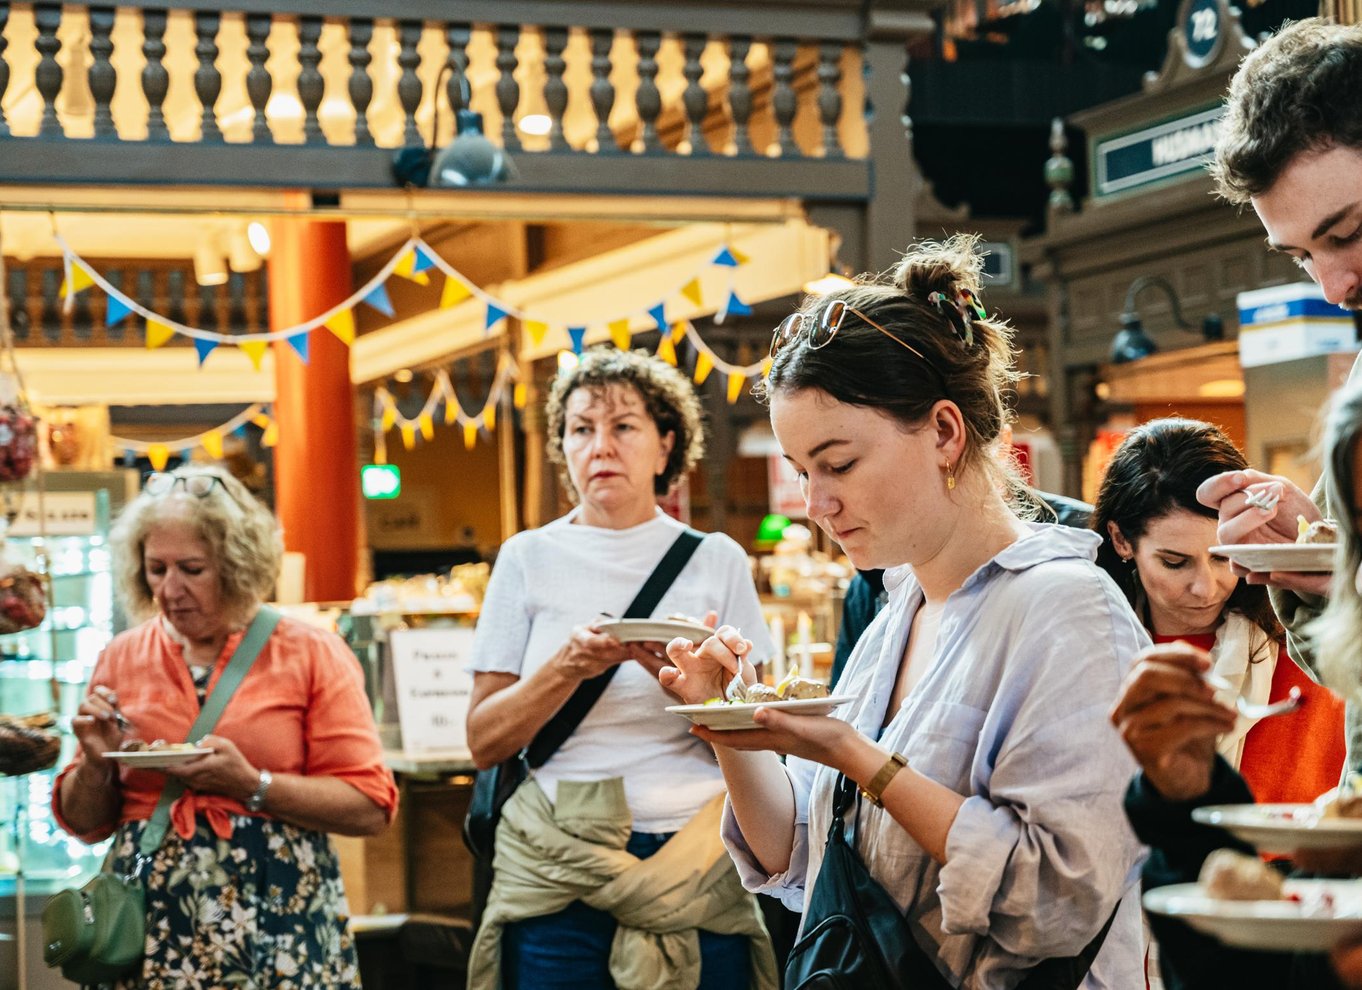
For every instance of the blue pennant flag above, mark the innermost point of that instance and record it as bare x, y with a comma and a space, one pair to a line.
240, 431
659, 315
204, 347
736, 307
577, 334
378, 299
423, 263
495, 314
118, 309
299, 343
726, 258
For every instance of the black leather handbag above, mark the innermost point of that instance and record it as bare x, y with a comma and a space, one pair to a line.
493, 787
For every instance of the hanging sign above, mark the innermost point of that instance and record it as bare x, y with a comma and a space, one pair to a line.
433, 689
67, 514
1153, 154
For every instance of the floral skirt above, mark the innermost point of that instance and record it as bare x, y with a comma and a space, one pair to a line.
264, 910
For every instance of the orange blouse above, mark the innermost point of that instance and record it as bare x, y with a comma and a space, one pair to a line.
300, 709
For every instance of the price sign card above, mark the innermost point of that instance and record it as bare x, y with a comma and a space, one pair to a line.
433, 689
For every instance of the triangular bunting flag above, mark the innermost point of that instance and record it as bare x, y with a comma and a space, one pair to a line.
408, 435
255, 350
427, 424
424, 262
520, 395
342, 324
388, 418
453, 293
736, 307
299, 343
117, 309
80, 280
377, 297
735, 381
679, 331
212, 442
738, 256
659, 315
667, 350
406, 267
495, 314
204, 347
157, 334
691, 290
704, 364
451, 411
577, 335
470, 434
271, 435
489, 417
619, 333
726, 258
536, 329
261, 420
159, 455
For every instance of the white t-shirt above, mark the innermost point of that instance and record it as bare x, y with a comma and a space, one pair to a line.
548, 580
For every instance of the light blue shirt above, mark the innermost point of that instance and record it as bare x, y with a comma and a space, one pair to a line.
1013, 714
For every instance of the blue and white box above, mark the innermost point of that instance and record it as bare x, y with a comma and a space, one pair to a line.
1287, 322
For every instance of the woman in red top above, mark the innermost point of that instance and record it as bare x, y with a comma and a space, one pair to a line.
245, 889
1156, 544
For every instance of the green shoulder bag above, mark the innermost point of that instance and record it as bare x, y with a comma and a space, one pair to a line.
97, 933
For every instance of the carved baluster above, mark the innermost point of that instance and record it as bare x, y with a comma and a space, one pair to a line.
102, 75
830, 97
208, 307
207, 78
361, 85
262, 300
236, 303
409, 85
175, 282
155, 78
784, 51
4, 68
740, 94
259, 83
457, 36
648, 99
48, 75
555, 90
602, 91
114, 331
52, 305
19, 319
311, 85
695, 99
146, 295
508, 90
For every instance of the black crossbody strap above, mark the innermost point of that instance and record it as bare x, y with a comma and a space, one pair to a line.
564, 723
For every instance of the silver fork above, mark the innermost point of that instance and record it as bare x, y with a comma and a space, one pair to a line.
1288, 704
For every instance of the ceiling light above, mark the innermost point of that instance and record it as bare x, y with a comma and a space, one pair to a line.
828, 284
536, 124
210, 268
403, 376
259, 236
1222, 388
241, 256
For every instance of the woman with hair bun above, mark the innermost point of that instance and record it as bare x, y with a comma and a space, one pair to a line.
992, 783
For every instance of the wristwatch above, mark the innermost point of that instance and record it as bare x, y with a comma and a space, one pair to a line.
257, 800
875, 787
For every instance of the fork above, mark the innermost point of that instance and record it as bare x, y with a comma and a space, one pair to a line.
1288, 704
1264, 498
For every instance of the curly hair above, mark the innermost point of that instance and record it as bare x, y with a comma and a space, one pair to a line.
667, 394
1300, 91
864, 368
241, 534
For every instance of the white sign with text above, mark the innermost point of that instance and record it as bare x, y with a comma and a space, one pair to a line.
433, 689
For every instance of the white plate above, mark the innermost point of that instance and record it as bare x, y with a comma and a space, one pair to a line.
1264, 557
725, 718
1282, 828
155, 758
1268, 925
654, 630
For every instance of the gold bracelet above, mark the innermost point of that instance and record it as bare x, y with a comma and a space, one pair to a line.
875, 788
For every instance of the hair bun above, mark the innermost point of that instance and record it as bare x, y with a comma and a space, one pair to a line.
950, 267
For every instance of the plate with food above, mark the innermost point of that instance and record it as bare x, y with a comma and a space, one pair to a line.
1313, 551
799, 695
654, 630
1244, 902
158, 754
1284, 828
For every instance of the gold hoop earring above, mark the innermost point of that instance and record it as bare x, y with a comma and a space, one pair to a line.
950, 477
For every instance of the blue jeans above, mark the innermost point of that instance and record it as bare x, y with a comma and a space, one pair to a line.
570, 950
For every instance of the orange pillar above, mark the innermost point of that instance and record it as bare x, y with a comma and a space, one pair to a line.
316, 465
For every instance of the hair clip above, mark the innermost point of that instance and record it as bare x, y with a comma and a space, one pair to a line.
960, 312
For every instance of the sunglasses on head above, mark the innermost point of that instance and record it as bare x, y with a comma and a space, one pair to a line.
163, 482
824, 327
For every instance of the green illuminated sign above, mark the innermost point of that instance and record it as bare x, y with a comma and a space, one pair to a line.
380, 480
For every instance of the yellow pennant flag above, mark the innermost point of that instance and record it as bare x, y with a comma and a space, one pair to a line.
679, 331
406, 267
212, 442
158, 333
261, 420
765, 367
536, 329
80, 281
667, 351
691, 290
520, 395
342, 325
735, 381
453, 293
738, 256
158, 454
451, 412
619, 333
389, 416
255, 350
271, 436
470, 435
427, 424
704, 364
489, 417
409, 435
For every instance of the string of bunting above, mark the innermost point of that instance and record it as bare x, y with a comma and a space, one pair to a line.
387, 415
159, 451
706, 361
414, 261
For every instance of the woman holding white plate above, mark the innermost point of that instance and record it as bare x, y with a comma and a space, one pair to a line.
992, 816
618, 830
